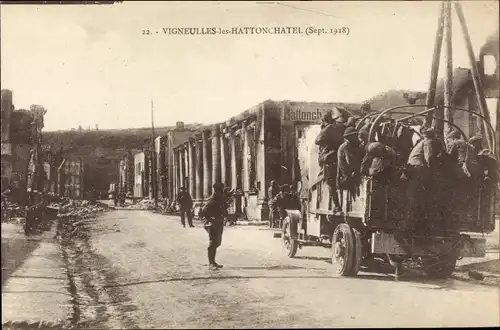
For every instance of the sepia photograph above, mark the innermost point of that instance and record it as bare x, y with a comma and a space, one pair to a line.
250, 164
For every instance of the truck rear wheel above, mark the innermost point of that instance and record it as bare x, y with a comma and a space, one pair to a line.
290, 244
343, 250
440, 266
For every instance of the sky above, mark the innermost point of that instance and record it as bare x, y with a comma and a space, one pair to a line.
91, 64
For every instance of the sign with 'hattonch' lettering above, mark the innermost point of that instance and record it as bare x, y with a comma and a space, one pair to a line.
309, 112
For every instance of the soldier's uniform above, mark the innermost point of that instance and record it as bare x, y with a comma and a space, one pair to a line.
329, 140
349, 157
214, 212
286, 200
272, 192
424, 169
485, 159
379, 161
185, 205
464, 154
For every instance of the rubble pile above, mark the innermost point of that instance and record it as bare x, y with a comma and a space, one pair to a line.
74, 216
77, 209
145, 204
166, 207
12, 211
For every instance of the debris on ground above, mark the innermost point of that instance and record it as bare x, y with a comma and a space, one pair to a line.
78, 209
144, 204
12, 211
475, 275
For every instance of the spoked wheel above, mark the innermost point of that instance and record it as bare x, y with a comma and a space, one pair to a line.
289, 244
358, 252
343, 253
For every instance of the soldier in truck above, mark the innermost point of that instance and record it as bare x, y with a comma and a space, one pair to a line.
329, 140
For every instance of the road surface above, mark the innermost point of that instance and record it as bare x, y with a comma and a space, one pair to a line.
137, 269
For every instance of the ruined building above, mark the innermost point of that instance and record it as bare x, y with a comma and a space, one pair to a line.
21, 137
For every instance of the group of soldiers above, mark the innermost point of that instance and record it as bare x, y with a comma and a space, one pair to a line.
444, 173
432, 168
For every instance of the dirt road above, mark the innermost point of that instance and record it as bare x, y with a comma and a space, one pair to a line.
136, 269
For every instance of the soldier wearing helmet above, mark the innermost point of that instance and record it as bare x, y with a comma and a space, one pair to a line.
485, 158
286, 200
464, 155
379, 159
214, 212
329, 140
272, 192
350, 154
185, 203
424, 162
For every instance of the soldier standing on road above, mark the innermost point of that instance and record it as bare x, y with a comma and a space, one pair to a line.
214, 212
286, 200
185, 205
272, 192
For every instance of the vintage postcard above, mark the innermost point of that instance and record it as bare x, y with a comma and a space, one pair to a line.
250, 164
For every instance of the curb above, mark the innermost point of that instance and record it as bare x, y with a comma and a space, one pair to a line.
252, 223
238, 222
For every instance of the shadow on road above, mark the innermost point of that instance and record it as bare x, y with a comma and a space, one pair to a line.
379, 270
490, 266
221, 277
41, 277
15, 250
325, 259
275, 267
16, 247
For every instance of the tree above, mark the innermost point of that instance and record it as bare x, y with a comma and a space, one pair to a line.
38, 112
20, 127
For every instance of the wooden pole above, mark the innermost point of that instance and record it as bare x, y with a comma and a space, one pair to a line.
448, 81
431, 94
153, 158
478, 85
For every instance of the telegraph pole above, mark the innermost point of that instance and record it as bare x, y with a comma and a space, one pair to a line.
153, 158
448, 78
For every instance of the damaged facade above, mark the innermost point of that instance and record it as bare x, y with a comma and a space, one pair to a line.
246, 152
51, 161
70, 177
141, 185
21, 137
164, 156
126, 174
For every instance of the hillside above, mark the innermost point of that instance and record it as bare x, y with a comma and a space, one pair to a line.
101, 150
390, 99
